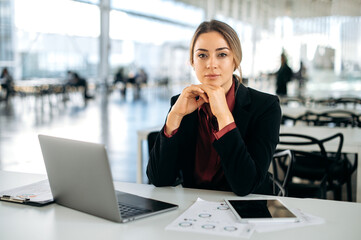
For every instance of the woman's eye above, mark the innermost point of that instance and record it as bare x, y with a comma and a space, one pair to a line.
202, 55
222, 55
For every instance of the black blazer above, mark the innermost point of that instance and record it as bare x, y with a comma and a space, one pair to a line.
245, 152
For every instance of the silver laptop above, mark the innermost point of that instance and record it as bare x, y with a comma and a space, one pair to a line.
80, 178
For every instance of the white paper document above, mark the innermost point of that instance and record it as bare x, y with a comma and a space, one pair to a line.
217, 219
38, 192
211, 218
305, 220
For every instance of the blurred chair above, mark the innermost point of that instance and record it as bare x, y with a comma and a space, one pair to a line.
317, 171
281, 169
337, 118
331, 118
277, 188
309, 118
151, 138
288, 120
296, 101
329, 102
346, 101
346, 178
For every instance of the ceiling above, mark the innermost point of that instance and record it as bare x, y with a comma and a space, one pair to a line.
253, 9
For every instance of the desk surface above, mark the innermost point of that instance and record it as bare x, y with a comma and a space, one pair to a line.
57, 222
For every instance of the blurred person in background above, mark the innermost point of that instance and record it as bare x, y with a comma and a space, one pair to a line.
120, 79
74, 80
7, 83
283, 76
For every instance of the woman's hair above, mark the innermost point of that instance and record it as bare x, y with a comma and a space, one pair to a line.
229, 35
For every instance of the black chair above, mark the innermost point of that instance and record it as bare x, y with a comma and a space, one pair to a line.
345, 101
151, 138
350, 168
331, 118
317, 171
292, 100
337, 118
281, 169
309, 118
329, 102
286, 120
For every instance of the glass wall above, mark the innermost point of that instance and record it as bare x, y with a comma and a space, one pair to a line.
55, 36
6, 34
45, 38
153, 35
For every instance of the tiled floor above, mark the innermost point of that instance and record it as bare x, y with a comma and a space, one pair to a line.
108, 119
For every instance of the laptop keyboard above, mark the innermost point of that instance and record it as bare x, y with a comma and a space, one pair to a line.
129, 211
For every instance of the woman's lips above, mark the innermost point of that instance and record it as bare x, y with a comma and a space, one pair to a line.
212, 76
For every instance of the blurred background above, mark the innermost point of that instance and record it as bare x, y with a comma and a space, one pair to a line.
132, 56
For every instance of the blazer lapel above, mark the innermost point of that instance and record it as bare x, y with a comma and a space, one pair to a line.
241, 114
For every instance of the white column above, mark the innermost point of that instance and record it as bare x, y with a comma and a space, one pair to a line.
335, 35
226, 8
104, 42
235, 10
210, 9
255, 32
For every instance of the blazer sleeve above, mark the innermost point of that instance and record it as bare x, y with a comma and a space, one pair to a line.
246, 160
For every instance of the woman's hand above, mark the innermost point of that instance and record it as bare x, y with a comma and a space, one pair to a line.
218, 104
190, 99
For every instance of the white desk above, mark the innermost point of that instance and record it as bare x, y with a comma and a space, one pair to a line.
57, 222
352, 144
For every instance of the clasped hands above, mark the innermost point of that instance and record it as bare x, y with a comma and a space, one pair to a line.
194, 96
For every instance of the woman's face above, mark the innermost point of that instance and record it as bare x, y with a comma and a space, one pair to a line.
213, 60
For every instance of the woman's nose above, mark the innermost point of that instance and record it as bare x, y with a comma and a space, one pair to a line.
212, 63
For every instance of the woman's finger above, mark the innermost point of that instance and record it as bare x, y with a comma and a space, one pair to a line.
200, 102
204, 96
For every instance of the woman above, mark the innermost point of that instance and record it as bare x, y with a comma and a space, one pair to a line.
218, 134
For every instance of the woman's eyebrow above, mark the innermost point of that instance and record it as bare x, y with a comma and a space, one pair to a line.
222, 48
202, 49
218, 49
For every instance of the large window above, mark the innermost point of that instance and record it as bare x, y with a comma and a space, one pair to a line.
6, 34
54, 36
45, 38
153, 35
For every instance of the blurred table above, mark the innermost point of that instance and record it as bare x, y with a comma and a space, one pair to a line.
39, 86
